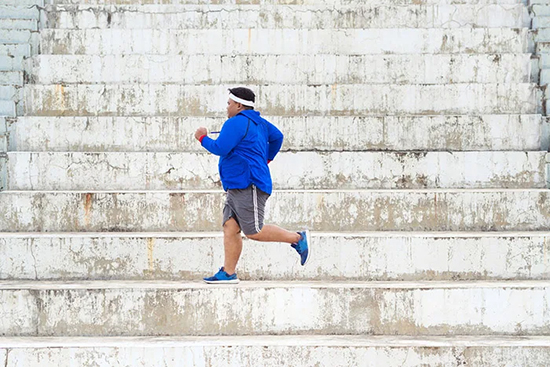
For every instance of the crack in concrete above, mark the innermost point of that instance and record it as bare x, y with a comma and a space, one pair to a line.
34, 262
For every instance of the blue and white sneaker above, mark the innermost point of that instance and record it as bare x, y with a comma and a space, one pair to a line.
221, 277
302, 247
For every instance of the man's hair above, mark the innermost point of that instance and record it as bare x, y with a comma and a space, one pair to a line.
245, 94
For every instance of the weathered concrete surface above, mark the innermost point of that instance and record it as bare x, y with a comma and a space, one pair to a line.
302, 170
9, 11
271, 351
215, 16
177, 308
541, 22
349, 99
284, 41
331, 210
322, 133
15, 36
15, 50
11, 78
11, 63
22, 24
22, 2
541, 10
7, 108
282, 69
335, 256
280, 2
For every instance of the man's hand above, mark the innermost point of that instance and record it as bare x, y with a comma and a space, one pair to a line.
201, 131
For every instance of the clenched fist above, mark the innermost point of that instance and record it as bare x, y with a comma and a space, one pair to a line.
201, 131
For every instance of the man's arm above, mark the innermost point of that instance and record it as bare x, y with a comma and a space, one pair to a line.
275, 139
231, 134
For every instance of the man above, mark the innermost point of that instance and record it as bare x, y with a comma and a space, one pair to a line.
246, 144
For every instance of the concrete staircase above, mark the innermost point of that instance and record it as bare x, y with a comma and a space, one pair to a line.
415, 151
18, 39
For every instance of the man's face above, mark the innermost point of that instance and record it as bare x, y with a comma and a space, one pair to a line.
233, 108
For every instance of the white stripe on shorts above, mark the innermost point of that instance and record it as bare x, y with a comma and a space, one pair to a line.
255, 199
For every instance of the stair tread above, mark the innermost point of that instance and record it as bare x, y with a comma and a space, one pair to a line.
279, 340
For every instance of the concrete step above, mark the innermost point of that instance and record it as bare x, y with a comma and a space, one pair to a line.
283, 100
370, 256
269, 351
7, 108
9, 92
283, 69
284, 2
14, 78
302, 170
139, 308
19, 24
214, 16
545, 77
543, 47
328, 210
541, 22
542, 35
11, 63
19, 11
540, 10
15, 36
175, 134
22, 2
15, 50
284, 41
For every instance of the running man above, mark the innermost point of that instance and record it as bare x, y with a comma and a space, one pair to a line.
245, 145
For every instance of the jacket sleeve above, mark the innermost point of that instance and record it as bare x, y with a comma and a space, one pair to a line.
275, 139
231, 134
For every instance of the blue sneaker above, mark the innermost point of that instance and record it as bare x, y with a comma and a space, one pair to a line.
302, 247
221, 277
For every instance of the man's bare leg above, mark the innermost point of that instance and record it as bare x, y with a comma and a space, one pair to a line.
233, 245
271, 233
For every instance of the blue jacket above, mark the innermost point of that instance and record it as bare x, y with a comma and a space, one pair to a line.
245, 145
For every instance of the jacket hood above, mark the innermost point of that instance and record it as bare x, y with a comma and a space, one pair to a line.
253, 115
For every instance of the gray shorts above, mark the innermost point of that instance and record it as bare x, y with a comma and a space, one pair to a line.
246, 206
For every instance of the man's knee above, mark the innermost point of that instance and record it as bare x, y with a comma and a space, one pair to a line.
231, 226
254, 236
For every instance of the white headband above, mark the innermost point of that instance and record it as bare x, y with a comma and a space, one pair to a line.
240, 100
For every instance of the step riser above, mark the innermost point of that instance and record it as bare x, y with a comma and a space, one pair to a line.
17, 50
321, 69
281, 2
11, 78
15, 36
307, 170
541, 10
220, 16
333, 258
10, 92
11, 63
7, 108
284, 41
541, 22
18, 12
319, 211
498, 132
296, 310
19, 24
158, 99
272, 356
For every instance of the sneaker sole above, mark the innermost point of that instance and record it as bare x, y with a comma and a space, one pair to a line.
308, 247
232, 281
